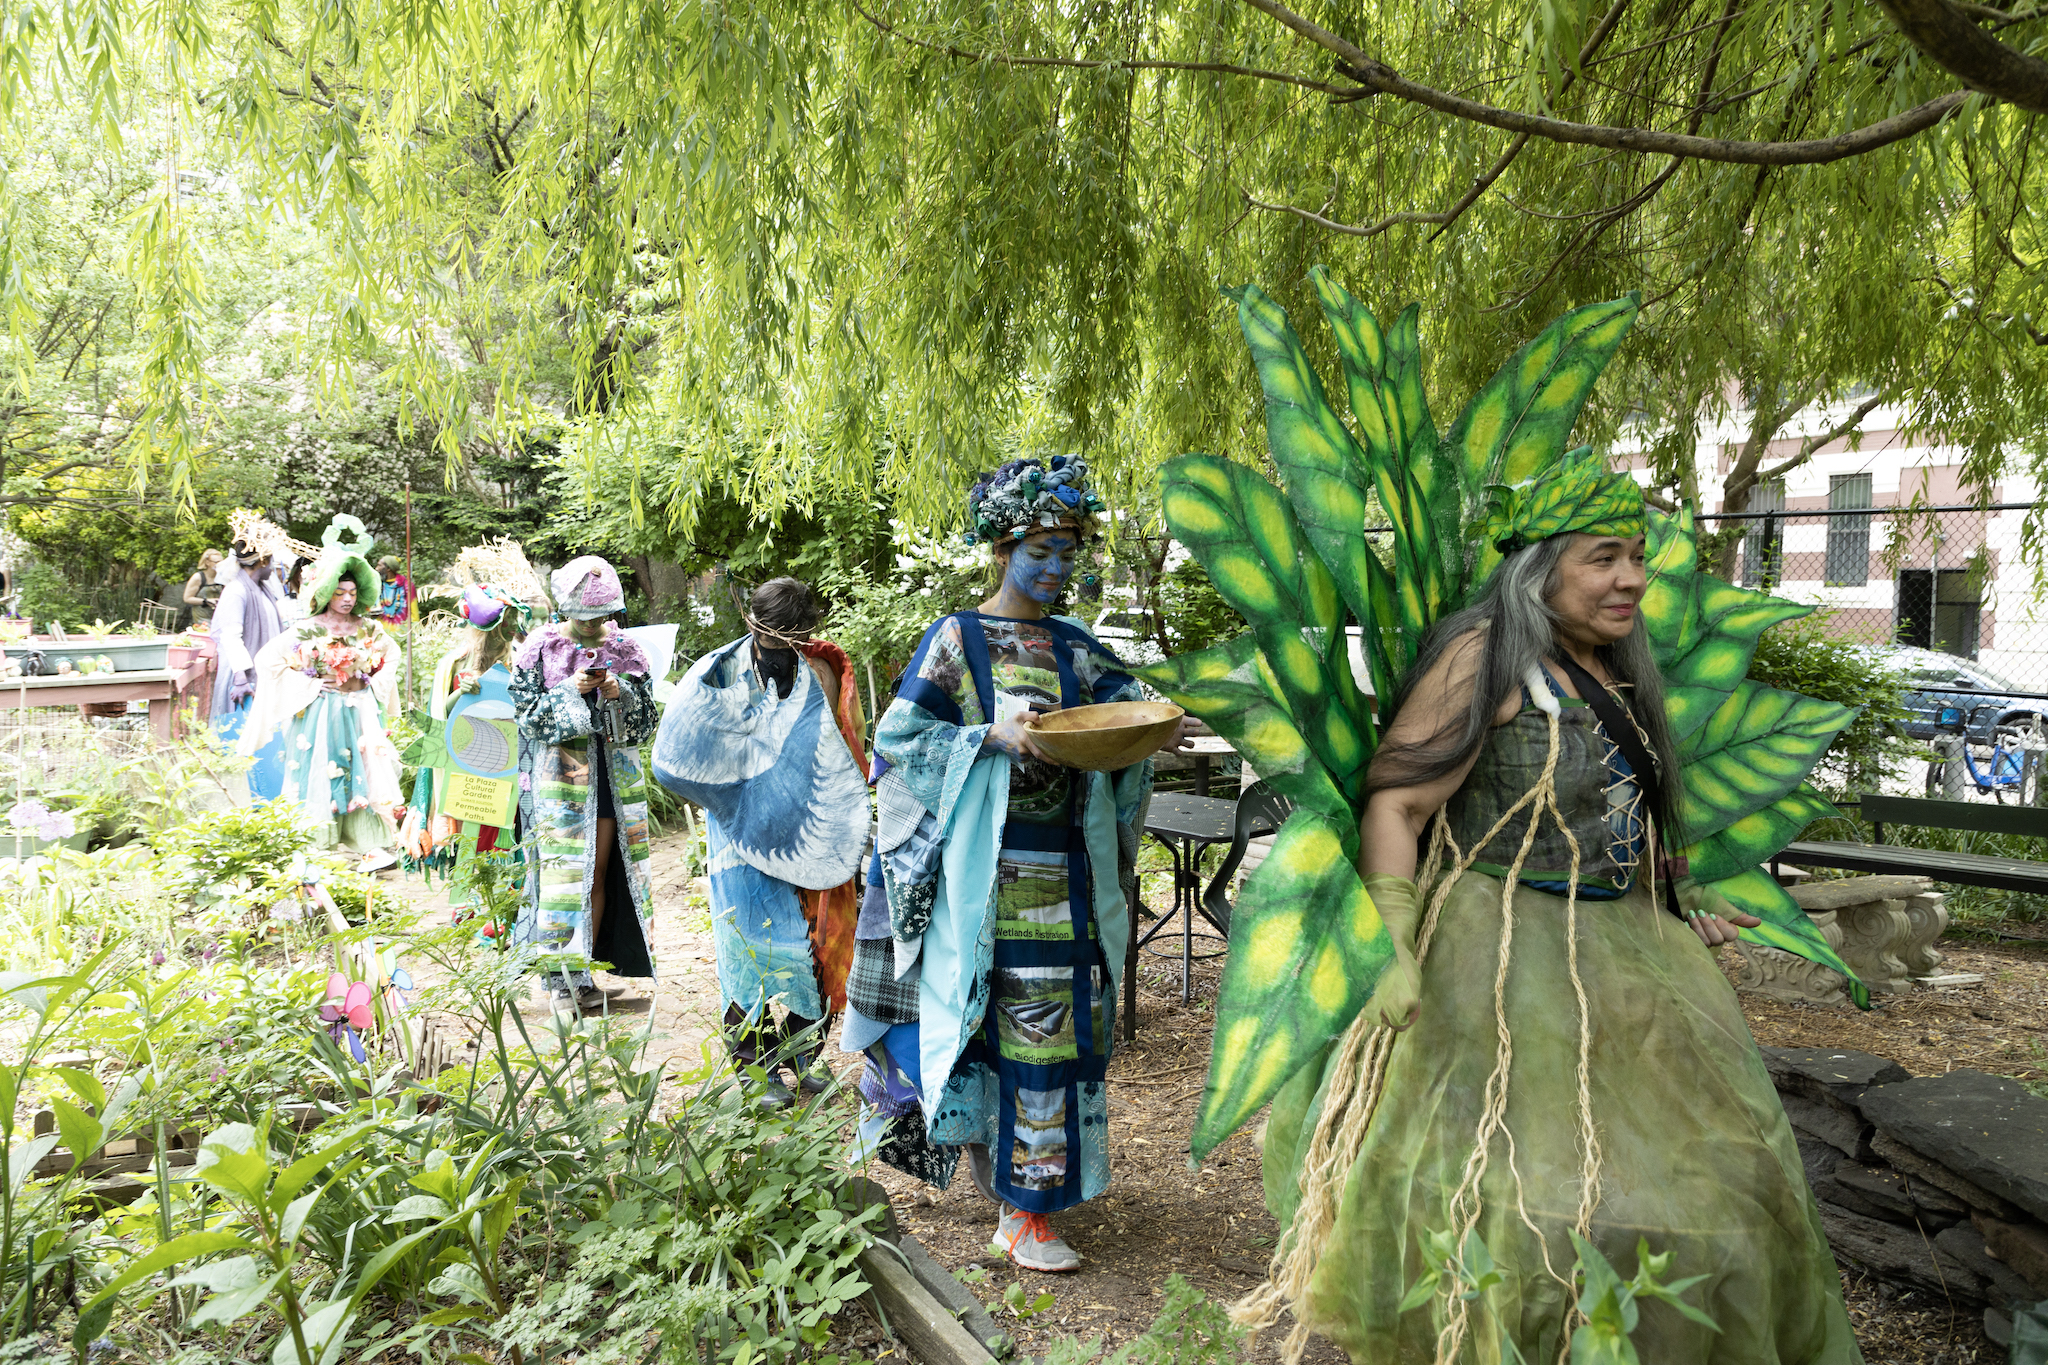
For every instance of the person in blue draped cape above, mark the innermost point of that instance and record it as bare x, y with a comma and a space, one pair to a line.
991, 941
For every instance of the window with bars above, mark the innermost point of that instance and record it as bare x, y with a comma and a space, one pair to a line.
1848, 556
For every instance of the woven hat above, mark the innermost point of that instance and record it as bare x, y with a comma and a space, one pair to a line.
587, 587
344, 547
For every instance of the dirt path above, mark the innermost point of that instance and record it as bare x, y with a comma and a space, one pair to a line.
1210, 1224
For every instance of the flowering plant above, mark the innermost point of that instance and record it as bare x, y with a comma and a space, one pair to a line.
33, 817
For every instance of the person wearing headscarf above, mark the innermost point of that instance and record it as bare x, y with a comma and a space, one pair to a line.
394, 600
328, 682
1571, 1061
584, 701
991, 941
765, 733
245, 619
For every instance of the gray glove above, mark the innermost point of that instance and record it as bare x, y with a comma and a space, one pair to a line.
242, 687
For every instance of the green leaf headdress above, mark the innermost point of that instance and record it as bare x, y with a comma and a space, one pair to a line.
344, 558
1577, 494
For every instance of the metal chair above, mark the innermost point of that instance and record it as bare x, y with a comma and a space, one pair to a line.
1260, 811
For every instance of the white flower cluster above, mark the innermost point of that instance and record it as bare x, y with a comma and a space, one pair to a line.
924, 557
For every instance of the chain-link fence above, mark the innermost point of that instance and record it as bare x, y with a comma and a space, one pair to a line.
1946, 593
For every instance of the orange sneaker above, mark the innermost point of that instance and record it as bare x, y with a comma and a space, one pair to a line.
1029, 1240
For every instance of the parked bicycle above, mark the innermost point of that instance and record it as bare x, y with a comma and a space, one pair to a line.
2004, 773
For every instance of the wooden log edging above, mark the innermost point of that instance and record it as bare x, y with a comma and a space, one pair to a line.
916, 1299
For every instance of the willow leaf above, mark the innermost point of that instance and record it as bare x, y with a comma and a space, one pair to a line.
1306, 948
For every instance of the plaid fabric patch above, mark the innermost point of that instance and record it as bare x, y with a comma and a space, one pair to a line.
872, 987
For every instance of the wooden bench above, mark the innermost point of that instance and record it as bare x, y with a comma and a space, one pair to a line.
1965, 869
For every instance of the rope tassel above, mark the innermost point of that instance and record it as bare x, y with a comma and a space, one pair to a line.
1358, 1075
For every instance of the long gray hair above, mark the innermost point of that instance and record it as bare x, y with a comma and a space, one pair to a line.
1516, 628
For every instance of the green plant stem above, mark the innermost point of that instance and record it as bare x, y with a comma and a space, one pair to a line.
163, 1214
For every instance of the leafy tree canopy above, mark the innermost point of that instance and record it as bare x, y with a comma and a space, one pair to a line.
874, 245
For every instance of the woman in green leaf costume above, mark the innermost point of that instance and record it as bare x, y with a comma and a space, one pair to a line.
1575, 1060
1576, 1064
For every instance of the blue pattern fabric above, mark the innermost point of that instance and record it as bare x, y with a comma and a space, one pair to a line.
762, 939
1025, 947
773, 771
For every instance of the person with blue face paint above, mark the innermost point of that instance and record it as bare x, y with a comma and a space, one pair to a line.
991, 938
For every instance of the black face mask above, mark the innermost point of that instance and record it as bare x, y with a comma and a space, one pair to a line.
777, 666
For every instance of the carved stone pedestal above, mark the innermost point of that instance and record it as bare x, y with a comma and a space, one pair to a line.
1884, 927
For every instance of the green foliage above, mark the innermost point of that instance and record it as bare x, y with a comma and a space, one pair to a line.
1190, 1330
1806, 656
1024, 1305
1191, 612
1607, 1304
222, 851
527, 1204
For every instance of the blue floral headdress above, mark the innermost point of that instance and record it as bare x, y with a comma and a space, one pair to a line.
1025, 496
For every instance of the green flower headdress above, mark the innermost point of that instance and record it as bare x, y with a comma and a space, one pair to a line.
1575, 494
339, 559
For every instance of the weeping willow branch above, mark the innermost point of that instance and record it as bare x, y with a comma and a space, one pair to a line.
1377, 78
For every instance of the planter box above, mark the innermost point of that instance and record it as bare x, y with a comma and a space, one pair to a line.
13, 845
130, 653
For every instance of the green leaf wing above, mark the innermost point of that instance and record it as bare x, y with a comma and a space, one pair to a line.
1518, 423
1226, 688
1785, 925
1758, 747
1756, 837
1306, 948
1244, 533
1322, 465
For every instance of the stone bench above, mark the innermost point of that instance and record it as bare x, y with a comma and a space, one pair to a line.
1884, 927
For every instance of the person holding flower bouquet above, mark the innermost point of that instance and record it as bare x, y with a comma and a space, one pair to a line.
327, 682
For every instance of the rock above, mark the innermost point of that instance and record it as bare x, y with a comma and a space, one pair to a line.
2002, 1288
1828, 1073
1902, 1255
2024, 1247
1840, 1127
1819, 1160
1989, 1129
1900, 1198
1918, 1166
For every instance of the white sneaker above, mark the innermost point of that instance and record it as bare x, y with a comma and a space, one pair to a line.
591, 999
1029, 1240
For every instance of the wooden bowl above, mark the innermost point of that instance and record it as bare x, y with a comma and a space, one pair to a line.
1102, 739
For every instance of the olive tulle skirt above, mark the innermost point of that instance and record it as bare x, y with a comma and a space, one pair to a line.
1697, 1155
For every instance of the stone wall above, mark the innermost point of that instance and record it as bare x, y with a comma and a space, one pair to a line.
1934, 1183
